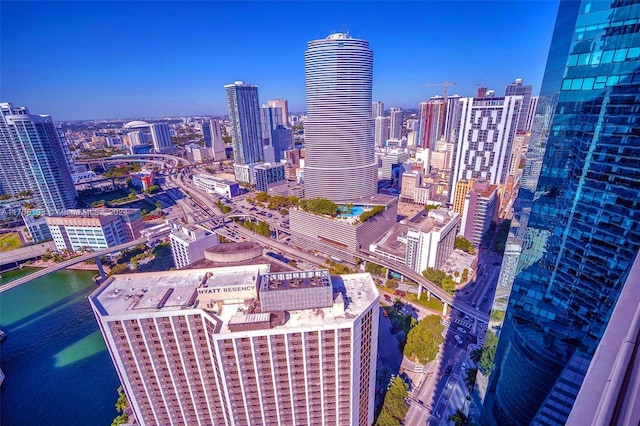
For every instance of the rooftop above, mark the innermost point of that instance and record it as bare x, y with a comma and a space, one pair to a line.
229, 294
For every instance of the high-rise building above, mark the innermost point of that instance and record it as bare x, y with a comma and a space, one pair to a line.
518, 88
430, 241
395, 123
161, 137
34, 158
487, 127
430, 116
188, 243
377, 109
269, 175
340, 163
381, 130
270, 118
284, 106
480, 207
281, 139
452, 118
533, 105
410, 181
244, 115
462, 188
212, 132
577, 212
240, 345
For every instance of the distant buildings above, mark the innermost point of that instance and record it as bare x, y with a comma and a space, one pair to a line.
281, 139
213, 185
284, 106
94, 229
430, 120
240, 345
188, 243
212, 132
270, 118
487, 128
161, 138
377, 109
142, 179
381, 131
244, 115
196, 153
480, 207
518, 88
35, 159
395, 124
340, 163
269, 175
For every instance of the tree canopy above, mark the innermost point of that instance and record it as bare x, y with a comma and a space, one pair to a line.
394, 408
488, 353
465, 245
423, 340
319, 206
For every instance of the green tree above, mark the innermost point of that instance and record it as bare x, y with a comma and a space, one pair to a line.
488, 353
122, 406
374, 269
430, 207
423, 340
476, 355
465, 245
152, 189
319, 206
394, 408
470, 378
158, 205
465, 274
459, 418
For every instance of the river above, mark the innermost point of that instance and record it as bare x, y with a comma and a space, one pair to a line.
57, 367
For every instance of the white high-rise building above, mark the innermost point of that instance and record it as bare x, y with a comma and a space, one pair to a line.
212, 132
239, 345
518, 88
487, 128
339, 130
382, 130
161, 137
189, 242
430, 241
35, 159
395, 124
377, 109
533, 105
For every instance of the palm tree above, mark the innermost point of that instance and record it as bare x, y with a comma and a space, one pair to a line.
470, 378
476, 355
459, 418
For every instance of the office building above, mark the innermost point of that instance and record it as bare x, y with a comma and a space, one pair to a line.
94, 229
339, 139
430, 242
212, 131
284, 107
138, 138
393, 160
213, 185
34, 158
269, 175
188, 243
452, 118
377, 109
578, 216
395, 123
462, 188
281, 140
244, 115
487, 127
480, 207
430, 123
533, 105
518, 88
196, 153
381, 131
410, 181
161, 137
241, 345
142, 179
270, 119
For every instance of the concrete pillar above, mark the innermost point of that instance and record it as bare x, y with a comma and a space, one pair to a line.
474, 329
103, 276
419, 290
445, 307
428, 295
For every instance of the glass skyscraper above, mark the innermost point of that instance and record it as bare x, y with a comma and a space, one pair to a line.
35, 158
244, 115
577, 217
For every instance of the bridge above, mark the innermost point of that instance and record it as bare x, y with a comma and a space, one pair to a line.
155, 158
62, 265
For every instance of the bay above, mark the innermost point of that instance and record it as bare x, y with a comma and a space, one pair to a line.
58, 370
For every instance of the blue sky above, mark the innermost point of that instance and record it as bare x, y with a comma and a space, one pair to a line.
81, 60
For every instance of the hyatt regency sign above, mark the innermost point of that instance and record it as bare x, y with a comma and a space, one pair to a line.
227, 292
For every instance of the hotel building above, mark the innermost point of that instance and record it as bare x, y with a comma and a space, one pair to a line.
242, 346
189, 242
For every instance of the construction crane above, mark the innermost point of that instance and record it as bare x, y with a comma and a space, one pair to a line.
446, 85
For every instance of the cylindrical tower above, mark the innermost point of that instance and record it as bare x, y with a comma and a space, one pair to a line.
339, 131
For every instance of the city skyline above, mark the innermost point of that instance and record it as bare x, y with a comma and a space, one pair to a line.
164, 60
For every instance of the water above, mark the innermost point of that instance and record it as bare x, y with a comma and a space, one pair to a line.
57, 368
355, 211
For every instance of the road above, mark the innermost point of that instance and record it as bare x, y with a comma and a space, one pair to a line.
66, 263
25, 253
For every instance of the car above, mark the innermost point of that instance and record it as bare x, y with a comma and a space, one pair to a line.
448, 370
387, 297
458, 339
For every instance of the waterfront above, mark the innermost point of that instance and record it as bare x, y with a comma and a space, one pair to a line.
58, 371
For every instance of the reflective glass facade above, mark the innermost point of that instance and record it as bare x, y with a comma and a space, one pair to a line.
578, 212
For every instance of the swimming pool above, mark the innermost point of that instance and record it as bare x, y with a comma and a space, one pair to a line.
355, 211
